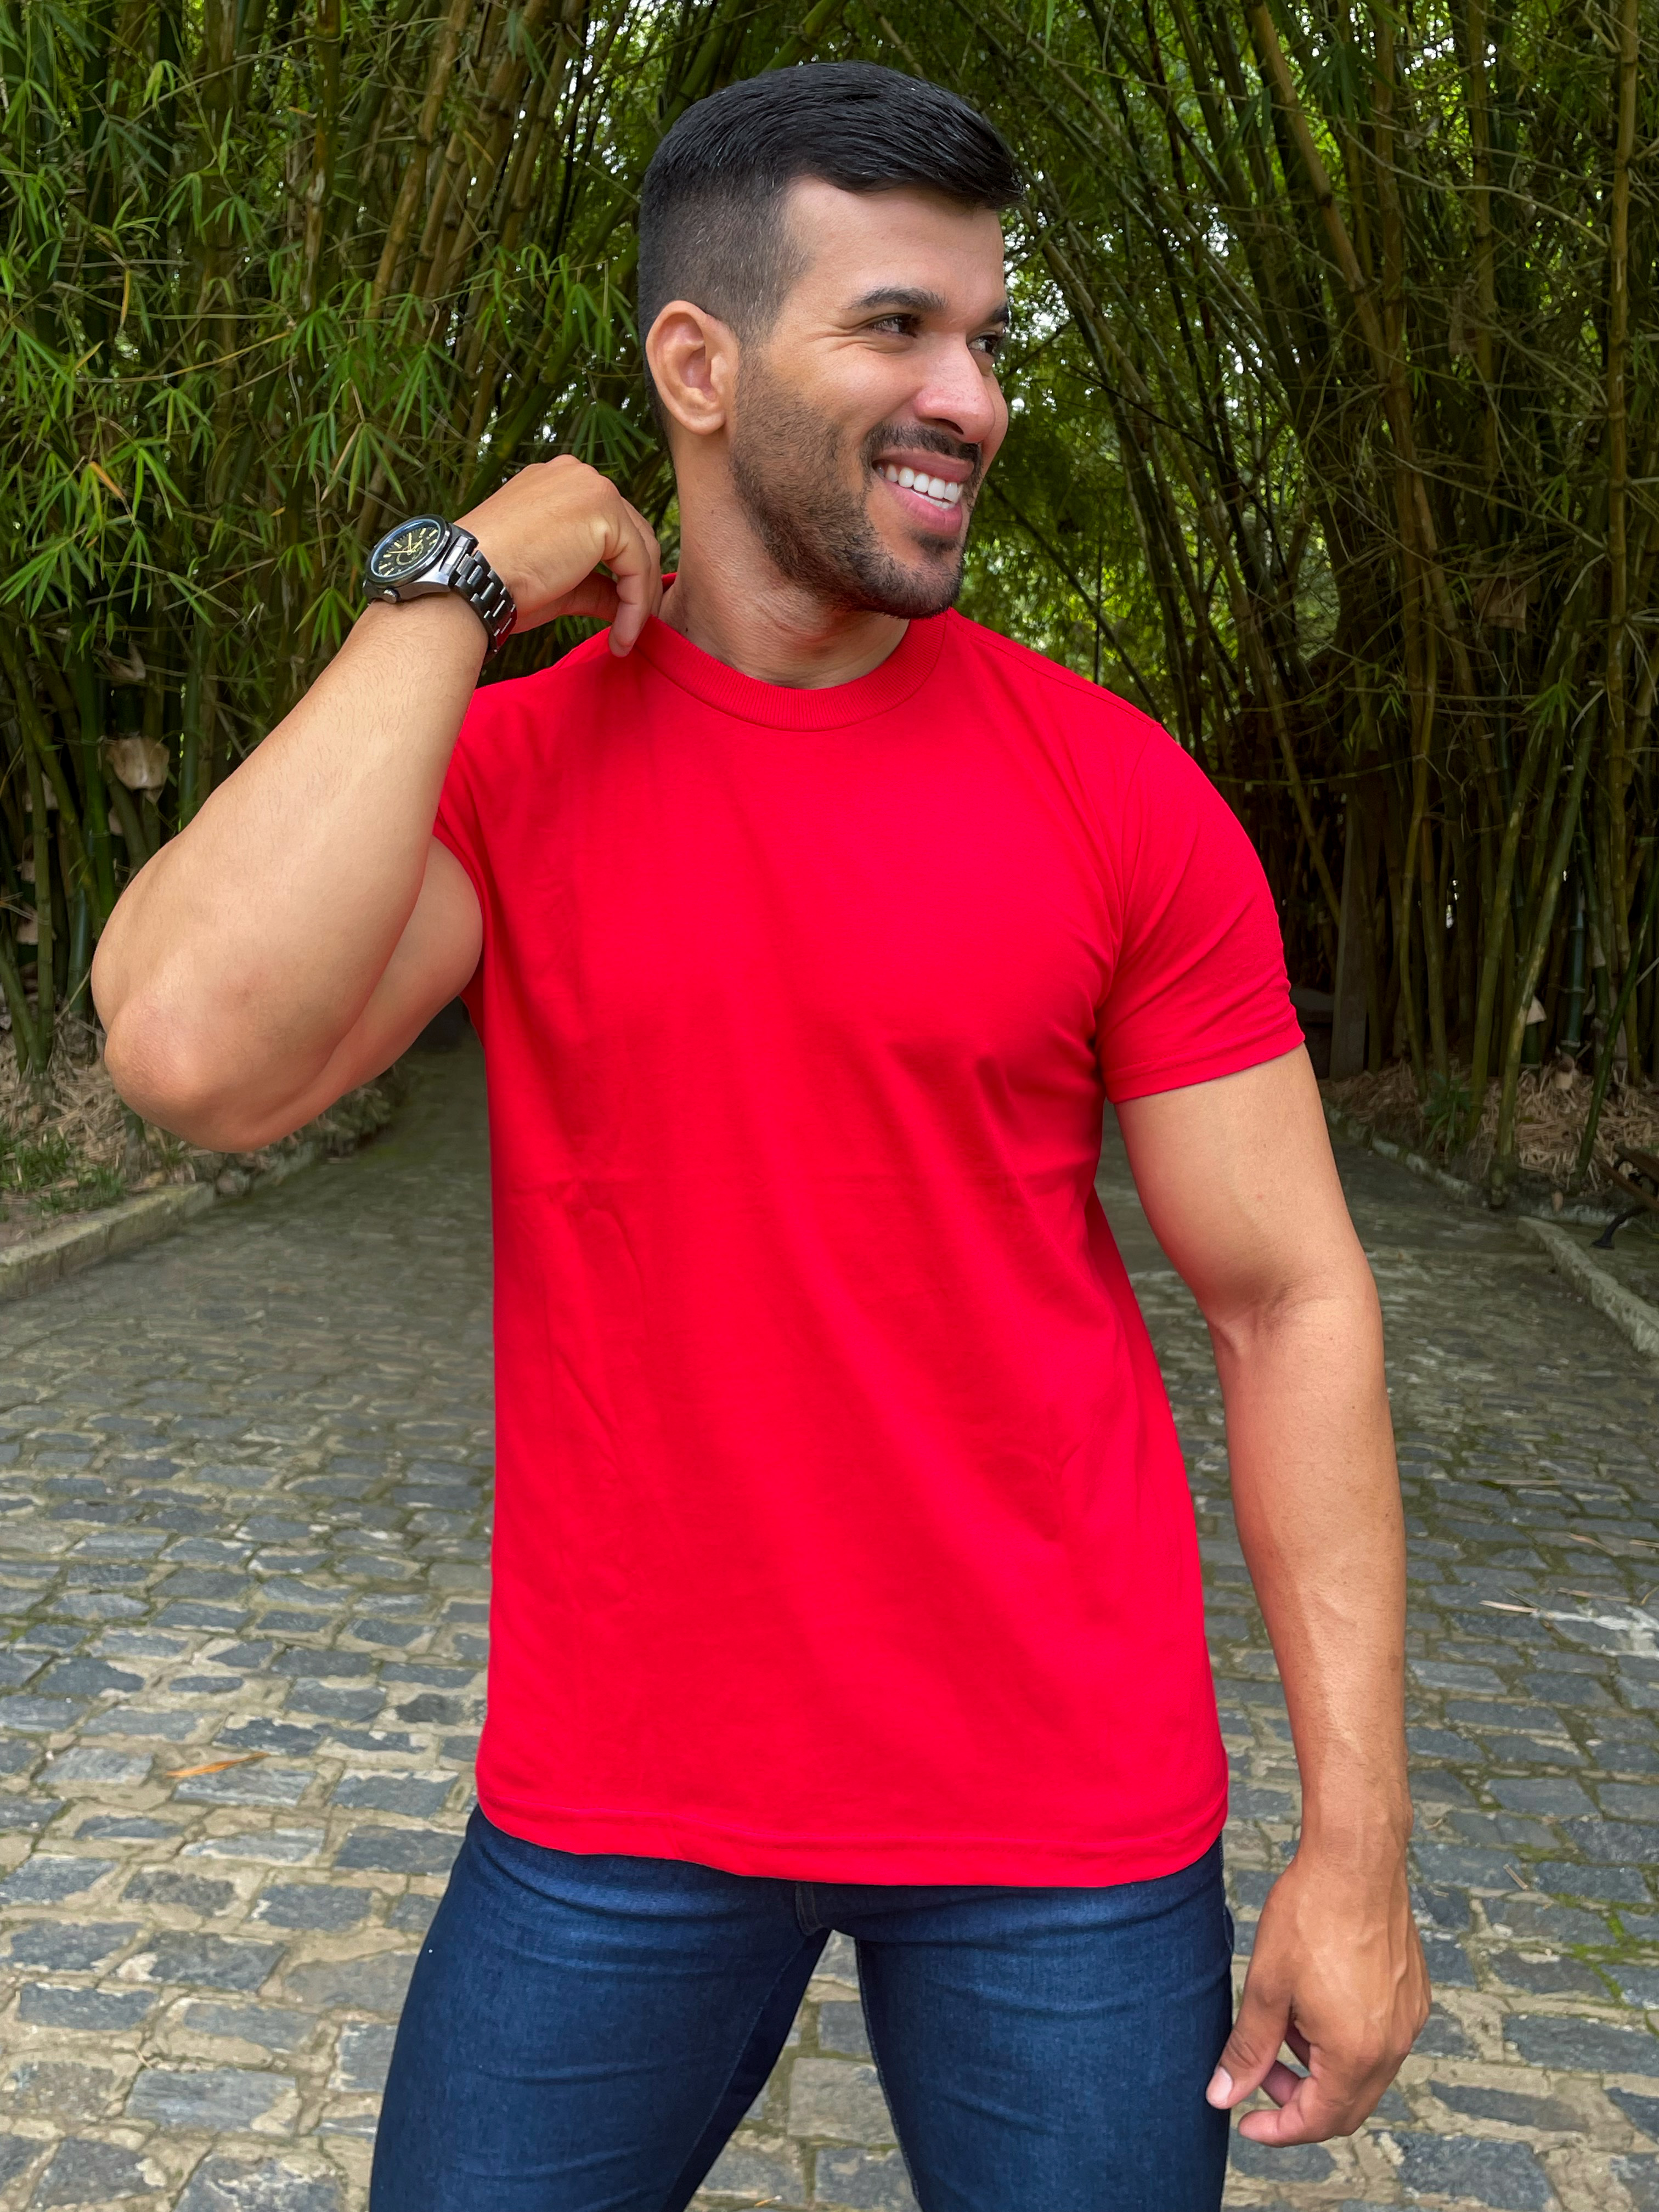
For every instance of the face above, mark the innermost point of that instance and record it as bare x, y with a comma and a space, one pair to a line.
865, 419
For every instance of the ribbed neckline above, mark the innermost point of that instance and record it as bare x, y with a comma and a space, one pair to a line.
785, 707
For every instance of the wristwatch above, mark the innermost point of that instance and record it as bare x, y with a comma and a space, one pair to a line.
426, 555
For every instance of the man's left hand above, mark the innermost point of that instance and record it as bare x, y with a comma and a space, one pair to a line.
1338, 1974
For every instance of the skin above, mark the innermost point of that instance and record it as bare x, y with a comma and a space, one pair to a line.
297, 936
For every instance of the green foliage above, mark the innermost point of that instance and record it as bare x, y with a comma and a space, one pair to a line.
1333, 383
58, 1178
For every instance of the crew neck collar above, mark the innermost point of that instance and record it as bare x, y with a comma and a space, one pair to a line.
791, 707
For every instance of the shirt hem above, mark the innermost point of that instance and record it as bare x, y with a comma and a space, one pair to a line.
1021, 1863
1205, 1068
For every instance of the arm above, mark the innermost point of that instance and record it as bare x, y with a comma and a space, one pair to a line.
1263, 1239
296, 936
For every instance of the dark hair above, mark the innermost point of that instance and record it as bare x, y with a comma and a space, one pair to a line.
711, 227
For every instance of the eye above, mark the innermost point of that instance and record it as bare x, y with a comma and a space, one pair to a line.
895, 326
990, 343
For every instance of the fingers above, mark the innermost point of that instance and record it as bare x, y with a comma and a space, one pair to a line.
1252, 2049
636, 567
1306, 2113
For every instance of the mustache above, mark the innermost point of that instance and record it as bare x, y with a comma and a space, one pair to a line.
921, 437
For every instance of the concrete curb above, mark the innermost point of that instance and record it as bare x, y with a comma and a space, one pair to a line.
1631, 1316
1468, 1193
46, 1259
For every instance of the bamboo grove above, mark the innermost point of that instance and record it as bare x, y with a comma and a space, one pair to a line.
1335, 440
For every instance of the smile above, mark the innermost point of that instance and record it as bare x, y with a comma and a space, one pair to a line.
944, 495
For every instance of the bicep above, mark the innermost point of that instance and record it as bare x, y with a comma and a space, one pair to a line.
432, 963
1240, 1186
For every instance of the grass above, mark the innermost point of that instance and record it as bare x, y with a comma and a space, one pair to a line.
55, 1174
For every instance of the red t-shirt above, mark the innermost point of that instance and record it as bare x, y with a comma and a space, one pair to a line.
842, 1531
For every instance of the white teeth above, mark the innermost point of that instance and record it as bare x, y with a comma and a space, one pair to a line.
934, 488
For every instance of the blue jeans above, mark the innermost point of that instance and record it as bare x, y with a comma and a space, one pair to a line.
582, 2033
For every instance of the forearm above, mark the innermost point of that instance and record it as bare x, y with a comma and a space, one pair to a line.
1316, 1497
238, 958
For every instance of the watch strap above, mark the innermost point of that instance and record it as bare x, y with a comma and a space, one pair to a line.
485, 593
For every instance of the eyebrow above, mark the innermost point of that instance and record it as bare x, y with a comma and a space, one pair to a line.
914, 302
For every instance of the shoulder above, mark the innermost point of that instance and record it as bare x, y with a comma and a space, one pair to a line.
517, 705
1127, 762
1050, 696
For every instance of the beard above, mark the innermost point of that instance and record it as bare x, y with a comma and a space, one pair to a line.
788, 470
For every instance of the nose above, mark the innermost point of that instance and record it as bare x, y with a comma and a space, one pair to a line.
959, 394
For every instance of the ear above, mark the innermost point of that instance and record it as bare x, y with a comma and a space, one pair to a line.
693, 358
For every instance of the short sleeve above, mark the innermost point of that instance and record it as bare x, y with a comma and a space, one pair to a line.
1198, 987
457, 827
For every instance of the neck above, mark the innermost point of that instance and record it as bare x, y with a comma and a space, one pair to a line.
733, 602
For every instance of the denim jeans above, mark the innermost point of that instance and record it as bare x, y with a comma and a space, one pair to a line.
582, 2033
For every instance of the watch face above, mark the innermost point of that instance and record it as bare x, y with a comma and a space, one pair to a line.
405, 551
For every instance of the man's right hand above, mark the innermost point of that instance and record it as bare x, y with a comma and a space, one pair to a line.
298, 935
548, 531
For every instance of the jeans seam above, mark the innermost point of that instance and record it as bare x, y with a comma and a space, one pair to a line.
760, 2012
881, 2077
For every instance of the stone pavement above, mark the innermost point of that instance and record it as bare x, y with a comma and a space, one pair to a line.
244, 1487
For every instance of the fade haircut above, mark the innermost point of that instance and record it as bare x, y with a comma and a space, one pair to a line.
711, 227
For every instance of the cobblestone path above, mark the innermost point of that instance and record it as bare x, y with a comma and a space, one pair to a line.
243, 1499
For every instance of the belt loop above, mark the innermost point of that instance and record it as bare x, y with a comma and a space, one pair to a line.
806, 1908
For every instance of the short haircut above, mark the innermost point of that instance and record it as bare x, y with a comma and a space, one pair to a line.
711, 210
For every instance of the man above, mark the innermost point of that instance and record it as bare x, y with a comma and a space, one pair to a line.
845, 1570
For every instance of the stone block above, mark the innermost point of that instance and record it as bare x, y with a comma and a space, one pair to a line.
1503, 2175
273, 2028
1509, 2106
375, 1983
69, 1947
205, 2098
1442, 2037
1607, 1884
314, 1905
1554, 1797
84, 2172
1640, 2180
419, 1796
1641, 2112
1550, 1977
88, 2012
49, 1880
278, 1846
365, 2053
839, 2099
204, 1962
334, 1703
842, 2029
16, 2153
142, 1721
86, 1677
1442, 1674
1270, 2162
1449, 1964
227, 2184
864, 2181
432, 1709
398, 1851
1589, 2046
60, 2089
324, 1666
181, 1893
1616, 1843
260, 1733
27, 1816
247, 1785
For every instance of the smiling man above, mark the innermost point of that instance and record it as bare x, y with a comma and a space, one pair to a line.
845, 1572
